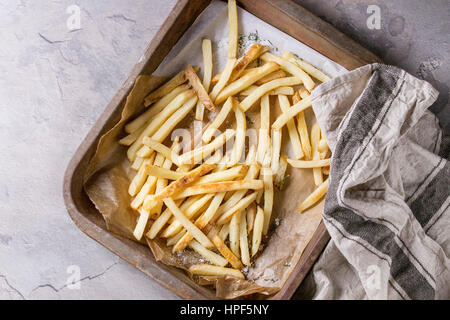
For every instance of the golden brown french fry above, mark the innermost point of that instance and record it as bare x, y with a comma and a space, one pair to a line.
219, 187
209, 270
310, 69
251, 215
226, 252
252, 53
292, 112
234, 234
315, 138
225, 175
246, 81
159, 147
314, 197
272, 76
218, 120
199, 89
180, 183
258, 93
243, 240
166, 88
173, 240
141, 224
207, 74
292, 129
164, 173
302, 128
238, 207
137, 163
310, 163
323, 148
257, 230
187, 224
241, 128
268, 198
280, 175
155, 109
212, 257
292, 68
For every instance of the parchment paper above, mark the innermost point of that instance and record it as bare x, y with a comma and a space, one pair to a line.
109, 173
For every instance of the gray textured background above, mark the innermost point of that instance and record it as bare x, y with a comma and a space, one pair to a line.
55, 84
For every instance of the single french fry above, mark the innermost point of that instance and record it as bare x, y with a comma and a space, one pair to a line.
251, 55
323, 148
132, 137
314, 197
141, 224
292, 129
159, 120
265, 88
199, 89
250, 216
207, 74
245, 81
225, 175
303, 93
264, 138
292, 112
257, 230
226, 252
315, 138
238, 207
251, 156
219, 187
182, 182
149, 185
287, 91
302, 128
204, 151
187, 224
209, 270
310, 69
243, 240
234, 233
241, 128
268, 198
166, 88
232, 29
276, 148
140, 177
212, 257
224, 231
292, 68
218, 120
224, 78
135, 124
310, 163
271, 76
280, 175
137, 163
164, 173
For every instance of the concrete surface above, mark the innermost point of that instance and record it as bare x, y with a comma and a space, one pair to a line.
56, 82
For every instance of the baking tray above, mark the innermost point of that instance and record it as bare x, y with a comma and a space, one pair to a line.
285, 15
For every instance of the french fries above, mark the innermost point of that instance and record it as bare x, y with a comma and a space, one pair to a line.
291, 68
209, 270
210, 201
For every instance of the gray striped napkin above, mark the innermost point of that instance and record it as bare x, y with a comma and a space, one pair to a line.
388, 204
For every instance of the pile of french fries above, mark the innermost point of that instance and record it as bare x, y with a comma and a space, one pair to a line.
215, 204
